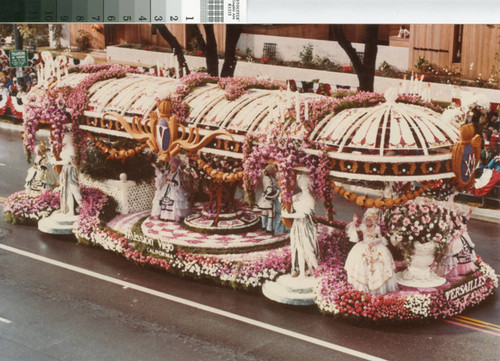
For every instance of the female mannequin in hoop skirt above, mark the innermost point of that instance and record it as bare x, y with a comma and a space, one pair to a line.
174, 205
303, 236
369, 265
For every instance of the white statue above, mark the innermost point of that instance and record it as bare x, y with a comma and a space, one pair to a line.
270, 193
68, 179
369, 265
303, 235
160, 181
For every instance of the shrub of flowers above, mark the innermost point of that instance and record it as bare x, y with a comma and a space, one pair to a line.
22, 208
424, 221
96, 207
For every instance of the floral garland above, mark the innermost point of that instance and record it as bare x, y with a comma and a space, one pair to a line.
335, 296
22, 208
215, 168
416, 100
233, 87
115, 153
236, 87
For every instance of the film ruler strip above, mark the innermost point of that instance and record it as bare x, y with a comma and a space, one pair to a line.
123, 11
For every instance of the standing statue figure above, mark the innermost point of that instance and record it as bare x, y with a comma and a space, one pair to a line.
174, 205
160, 182
68, 179
270, 202
41, 176
369, 265
303, 235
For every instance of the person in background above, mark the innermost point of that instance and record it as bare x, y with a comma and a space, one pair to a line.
3, 92
487, 154
403, 32
494, 122
495, 140
494, 163
174, 205
485, 137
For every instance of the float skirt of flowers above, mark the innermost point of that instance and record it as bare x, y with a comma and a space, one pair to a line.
337, 297
249, 271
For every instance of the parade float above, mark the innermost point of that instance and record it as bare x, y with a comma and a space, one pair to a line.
171, 173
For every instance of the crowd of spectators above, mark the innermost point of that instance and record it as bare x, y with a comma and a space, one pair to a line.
490, 147
10, 83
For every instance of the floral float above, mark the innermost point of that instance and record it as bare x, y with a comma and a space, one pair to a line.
248, 124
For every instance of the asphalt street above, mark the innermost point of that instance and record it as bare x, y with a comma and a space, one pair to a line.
63, 301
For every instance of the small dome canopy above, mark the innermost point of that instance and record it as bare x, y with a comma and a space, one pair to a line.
390, 129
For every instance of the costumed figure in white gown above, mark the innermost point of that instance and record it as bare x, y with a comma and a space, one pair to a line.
303, 234
270, 202
41, 176
369, 265
68, 179
174, 205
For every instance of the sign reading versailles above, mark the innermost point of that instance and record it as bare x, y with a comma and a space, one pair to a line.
18, 58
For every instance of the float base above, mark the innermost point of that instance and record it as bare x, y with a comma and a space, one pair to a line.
286, 289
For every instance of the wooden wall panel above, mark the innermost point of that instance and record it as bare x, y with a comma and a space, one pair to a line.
96, 39
317, 32
479, 47
141, 34
354, 33
432, 41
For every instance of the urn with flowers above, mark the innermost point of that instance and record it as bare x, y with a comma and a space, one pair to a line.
421, 230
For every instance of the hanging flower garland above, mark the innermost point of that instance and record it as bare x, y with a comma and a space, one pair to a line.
44, 105
289, 136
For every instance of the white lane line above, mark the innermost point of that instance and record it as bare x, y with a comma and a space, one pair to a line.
196, 305
4, 320
2, 165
